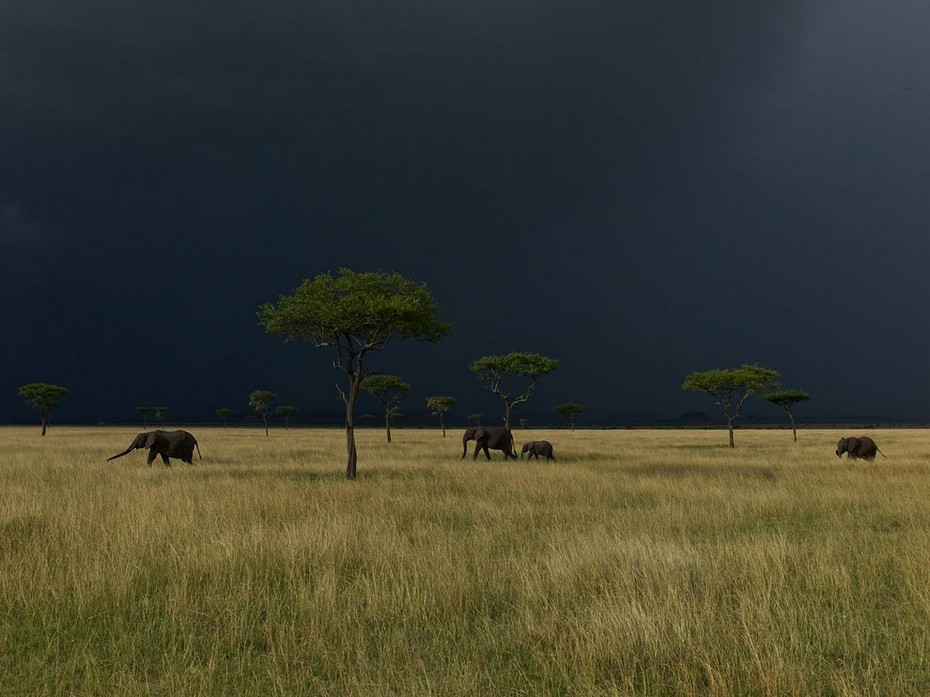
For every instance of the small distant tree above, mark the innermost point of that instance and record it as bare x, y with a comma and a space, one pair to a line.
161, 415
476, 417
224, 415
44, 398
145, 411
355, 313
286, 412
389, 391
260, 401
367, 418
439, 405
523, 423
526, 368
569, 409
787, 399
731, 387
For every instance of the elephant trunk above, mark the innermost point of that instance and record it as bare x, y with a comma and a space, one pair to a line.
125, 452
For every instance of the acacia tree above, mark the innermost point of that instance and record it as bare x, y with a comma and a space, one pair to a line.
223, 414
731, 387
44, 398
260, 401
786, 399
439, 405
145, 411
389, 391
569, 409
476, 417
161, 414
528, 368
355, 313
286, 412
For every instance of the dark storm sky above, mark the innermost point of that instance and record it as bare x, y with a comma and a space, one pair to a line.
638, 189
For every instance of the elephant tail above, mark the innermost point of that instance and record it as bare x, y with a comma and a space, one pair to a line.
883, 454
197, 445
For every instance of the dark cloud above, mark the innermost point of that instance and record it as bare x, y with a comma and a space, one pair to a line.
640, 190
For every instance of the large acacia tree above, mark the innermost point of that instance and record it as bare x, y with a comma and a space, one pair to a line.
731, 387
355, 314
499, 374
390, 392
44, 398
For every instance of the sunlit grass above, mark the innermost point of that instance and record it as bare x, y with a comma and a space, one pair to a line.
642, 562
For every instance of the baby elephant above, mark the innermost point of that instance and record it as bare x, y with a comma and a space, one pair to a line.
536, 448
855, 448
177, 444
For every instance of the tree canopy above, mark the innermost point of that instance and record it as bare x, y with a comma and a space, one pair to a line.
731, 387
390, 391
787, 399
260, 401
526, 368
569, 409
356, 314
439, 405
44, 398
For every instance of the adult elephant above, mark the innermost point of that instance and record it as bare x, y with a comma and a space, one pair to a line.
535, 448
489, 437
177, 444
855, 448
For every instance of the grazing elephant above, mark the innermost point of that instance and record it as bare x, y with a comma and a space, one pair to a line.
535, 448
493, 437
863, 447
177, 444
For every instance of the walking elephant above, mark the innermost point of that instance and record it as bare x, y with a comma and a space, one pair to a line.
489, 437
855, 448
535, 448
177, 444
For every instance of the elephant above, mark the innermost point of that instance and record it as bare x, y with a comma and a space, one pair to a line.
863, 447
177, 444
535, 448
493, 437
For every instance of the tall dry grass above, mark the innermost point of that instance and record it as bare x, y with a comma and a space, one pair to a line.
642, 562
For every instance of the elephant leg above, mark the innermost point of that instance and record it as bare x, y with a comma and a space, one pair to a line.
487, 453
151, 457
164, 458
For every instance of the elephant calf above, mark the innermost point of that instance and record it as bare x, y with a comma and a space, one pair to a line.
535, 448
855, 448
177, 444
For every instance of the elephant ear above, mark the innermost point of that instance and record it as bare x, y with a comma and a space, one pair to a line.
149, 440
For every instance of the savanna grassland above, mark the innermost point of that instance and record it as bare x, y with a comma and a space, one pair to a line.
641, 563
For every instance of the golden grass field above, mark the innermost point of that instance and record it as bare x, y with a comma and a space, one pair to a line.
641, 563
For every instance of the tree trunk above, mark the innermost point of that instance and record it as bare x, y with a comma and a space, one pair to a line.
265, 419
507, 409
351, 454
794, 429
387, 424
572, 422
442, 425
44, 418
730, 429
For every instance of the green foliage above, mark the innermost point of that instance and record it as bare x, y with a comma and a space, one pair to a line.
494, 370
476, 417
224, 414
731, 387
44, 398
569, 409
260, 401
287, 412
439, 405
355, 313
390, 391
786, 399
